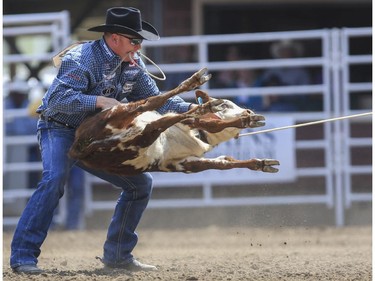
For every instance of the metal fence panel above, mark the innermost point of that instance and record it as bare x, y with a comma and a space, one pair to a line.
336, 143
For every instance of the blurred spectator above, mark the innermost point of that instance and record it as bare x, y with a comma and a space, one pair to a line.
285, 76
18, 98
239, 78
227, 78
180, 54
248, 78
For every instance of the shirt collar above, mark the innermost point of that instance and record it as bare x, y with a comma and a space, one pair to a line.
109, 54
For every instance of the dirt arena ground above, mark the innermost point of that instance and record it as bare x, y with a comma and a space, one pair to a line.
213, 253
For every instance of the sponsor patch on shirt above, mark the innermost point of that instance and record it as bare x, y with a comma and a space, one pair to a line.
108, 91
73, 76
128, 87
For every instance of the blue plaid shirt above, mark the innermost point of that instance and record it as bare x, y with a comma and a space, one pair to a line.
88, 71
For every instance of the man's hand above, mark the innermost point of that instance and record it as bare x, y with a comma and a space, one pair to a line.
104, 102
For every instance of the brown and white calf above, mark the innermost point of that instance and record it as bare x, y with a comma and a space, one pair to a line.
132, 138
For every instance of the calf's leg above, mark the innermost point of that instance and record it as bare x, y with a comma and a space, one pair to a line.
194, 165
153, 130
196, 80
217, 125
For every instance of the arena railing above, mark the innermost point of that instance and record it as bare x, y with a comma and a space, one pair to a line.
332, 170
350, 88
55, 27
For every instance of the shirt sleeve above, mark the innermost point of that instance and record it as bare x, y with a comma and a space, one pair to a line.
69, 92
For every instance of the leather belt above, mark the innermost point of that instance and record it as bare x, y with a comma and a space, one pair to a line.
50, 119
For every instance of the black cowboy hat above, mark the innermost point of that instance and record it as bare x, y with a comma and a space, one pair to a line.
127, 21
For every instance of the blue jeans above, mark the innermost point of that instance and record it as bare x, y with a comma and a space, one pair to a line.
75, 196
31, 231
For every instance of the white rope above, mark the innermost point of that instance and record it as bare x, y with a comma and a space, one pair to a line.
306, 124
153, 63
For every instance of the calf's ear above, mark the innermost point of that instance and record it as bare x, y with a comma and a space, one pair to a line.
203, 95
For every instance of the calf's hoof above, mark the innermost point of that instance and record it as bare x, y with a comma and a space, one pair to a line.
202, 77
254, 121
267, 165
196, 80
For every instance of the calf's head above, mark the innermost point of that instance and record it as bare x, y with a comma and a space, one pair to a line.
236, 117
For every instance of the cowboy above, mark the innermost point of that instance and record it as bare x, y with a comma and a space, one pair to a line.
92, 76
